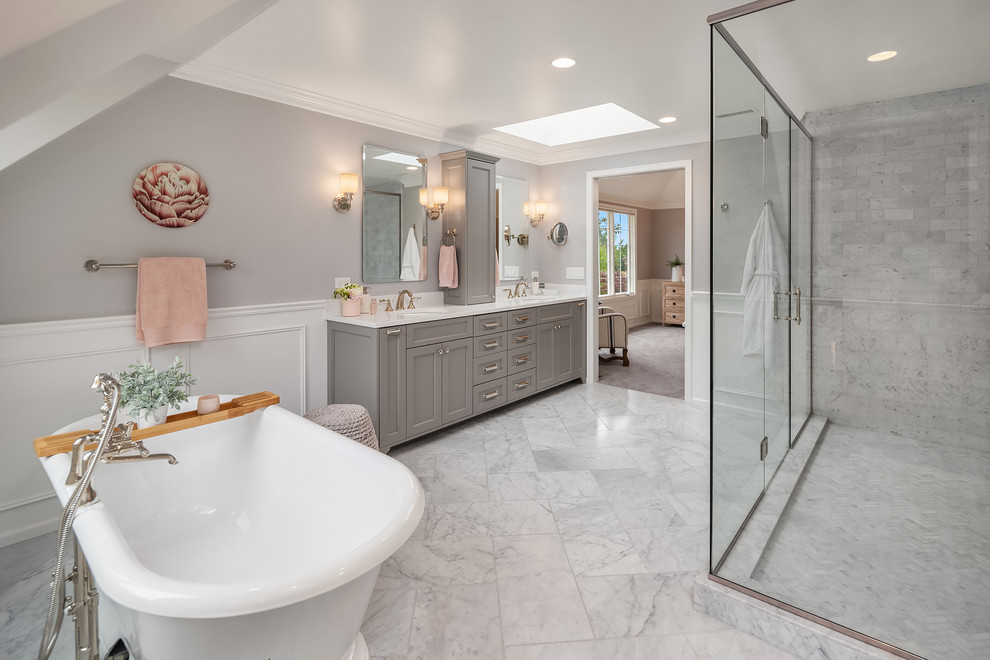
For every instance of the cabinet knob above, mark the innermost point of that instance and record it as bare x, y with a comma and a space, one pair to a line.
446, 350
439, 351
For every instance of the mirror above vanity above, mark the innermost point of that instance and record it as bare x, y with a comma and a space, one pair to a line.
513, 228
393, 223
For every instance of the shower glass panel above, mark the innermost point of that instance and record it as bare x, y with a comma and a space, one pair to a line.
772, 264
760, 254
800, 279
737, 380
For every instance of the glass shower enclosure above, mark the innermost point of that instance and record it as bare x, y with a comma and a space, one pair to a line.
850, 318
761, 251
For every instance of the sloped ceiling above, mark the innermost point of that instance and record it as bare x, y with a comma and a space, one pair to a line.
72, 62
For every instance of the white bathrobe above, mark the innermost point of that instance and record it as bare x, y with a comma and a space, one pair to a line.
766, 268
410, 258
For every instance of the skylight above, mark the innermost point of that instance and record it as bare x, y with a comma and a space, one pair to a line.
600, 121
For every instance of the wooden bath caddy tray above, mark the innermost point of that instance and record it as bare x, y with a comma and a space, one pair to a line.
242, 405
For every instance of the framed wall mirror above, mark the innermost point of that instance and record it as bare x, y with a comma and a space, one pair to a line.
393, 223
512, 227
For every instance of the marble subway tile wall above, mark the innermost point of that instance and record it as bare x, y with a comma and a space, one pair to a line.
902, 265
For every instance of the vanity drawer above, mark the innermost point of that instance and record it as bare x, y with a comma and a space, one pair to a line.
522, 319
489, 395
488, 344
489, 367
489, 323
521, 384
521, 337
521, 359
557, 312
433, 332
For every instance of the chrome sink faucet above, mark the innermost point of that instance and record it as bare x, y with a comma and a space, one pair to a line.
524, 286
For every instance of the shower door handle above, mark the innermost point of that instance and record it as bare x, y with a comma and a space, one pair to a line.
776, 314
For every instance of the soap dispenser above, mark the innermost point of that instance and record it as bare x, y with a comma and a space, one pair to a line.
365, 301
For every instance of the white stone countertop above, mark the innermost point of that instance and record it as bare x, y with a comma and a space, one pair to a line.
431, 308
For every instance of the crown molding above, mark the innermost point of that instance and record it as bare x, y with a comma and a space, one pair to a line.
241, 83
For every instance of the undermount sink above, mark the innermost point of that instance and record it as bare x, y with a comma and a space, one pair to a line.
420, 313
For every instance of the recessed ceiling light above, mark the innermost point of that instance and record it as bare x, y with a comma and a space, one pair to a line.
667, 120
606, 120
563, 63
881, 56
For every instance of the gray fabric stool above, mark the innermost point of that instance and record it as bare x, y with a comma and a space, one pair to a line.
347, 419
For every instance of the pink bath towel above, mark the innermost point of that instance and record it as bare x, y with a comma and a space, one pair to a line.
447, 269
171, 300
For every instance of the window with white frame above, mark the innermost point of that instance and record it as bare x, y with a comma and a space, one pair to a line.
616, 250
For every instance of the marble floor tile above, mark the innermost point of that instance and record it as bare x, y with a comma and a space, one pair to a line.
388, 622
643, 605
538, 596
511, 454
474, 519
455, 478
569, 460
671, 647
451, 623
675, 549
542, 485
439, 562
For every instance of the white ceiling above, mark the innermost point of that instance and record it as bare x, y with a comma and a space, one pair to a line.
451, 70
653, 190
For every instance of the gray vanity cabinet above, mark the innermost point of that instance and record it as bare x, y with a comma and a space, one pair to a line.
439, 381
420, 377
470, 212
559, 344
391, 386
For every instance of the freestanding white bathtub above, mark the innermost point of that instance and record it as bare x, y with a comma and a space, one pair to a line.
264, 542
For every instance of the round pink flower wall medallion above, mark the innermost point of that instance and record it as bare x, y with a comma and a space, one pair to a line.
170, 195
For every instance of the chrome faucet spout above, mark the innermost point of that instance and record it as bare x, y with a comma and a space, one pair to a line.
133, 458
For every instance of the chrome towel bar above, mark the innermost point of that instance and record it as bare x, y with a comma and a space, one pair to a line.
93, 265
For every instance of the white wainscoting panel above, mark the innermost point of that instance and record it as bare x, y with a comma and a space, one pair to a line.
698, 341
47, 368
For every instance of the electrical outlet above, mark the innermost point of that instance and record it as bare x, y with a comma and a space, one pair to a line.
575, 272
341, 281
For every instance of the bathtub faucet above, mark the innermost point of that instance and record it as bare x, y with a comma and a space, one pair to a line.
121, 448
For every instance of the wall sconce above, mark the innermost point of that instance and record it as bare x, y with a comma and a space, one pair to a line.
440, 198
348, 186
541, 211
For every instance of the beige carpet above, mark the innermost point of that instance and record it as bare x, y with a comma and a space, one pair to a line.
656, 362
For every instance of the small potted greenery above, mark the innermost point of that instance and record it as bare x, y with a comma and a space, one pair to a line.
676, 268
147, 394
350, 299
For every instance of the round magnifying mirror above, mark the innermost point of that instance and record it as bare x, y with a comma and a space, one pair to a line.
558, 234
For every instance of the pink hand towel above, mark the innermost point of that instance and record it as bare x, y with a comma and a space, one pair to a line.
422, 264
171, 300
447, 268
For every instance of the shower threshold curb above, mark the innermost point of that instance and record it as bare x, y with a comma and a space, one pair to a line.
790, 632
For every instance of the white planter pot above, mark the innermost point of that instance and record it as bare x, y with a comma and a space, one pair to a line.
153, 417
677, 273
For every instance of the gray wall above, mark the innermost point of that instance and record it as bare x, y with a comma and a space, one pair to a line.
667, 240
272, 172
902, 265
564, 186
